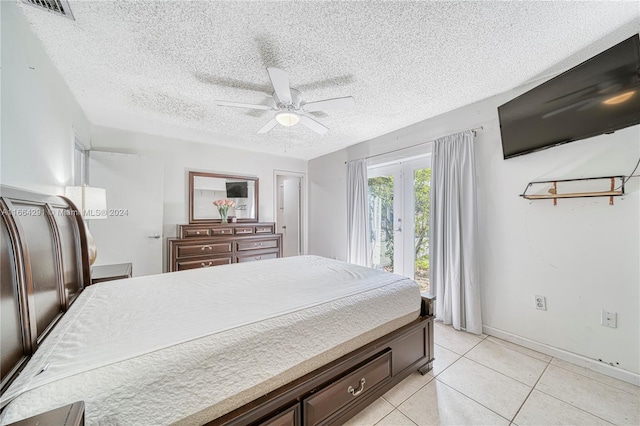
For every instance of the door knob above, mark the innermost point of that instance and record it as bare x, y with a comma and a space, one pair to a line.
155, 236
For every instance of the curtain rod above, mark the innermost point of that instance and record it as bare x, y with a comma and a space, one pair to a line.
412, 146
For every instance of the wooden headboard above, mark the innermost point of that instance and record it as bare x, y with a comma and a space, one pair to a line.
44, 265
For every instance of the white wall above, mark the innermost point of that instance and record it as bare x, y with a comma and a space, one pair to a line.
39, 113
582, 254
180, 156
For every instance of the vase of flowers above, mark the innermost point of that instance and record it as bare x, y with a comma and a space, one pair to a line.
223, 208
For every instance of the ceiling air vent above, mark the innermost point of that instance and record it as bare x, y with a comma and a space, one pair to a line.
59, 7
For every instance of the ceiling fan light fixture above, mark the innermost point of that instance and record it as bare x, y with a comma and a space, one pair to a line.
287, 118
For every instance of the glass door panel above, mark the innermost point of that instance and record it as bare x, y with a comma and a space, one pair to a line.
385, 217
399, 203
421, 203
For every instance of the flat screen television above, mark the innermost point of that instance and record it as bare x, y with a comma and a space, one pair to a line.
598, 96
237, 190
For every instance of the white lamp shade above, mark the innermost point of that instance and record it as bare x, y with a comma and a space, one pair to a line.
91, 201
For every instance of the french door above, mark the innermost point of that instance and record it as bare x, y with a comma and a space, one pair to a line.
399, 201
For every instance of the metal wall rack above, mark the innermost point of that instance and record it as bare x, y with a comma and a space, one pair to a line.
554, 190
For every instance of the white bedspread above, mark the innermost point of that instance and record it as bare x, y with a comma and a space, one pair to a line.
190, 346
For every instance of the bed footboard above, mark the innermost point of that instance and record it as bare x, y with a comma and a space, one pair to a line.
336, 392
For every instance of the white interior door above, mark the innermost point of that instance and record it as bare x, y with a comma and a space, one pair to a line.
290, 227
132, 231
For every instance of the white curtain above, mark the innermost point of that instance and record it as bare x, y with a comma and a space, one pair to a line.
453, 233
357, 213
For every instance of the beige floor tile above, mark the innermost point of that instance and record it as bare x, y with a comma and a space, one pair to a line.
372, 414
403, 390
443, 359
518, 366
597, 398
456, 341
494, 390
396, 418
521, 349
602, 378
438, 404
542, 409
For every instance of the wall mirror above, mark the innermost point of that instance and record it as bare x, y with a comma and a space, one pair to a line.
205, 188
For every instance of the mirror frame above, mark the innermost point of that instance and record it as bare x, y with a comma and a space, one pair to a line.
192, 176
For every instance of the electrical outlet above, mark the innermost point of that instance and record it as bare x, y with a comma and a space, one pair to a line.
541, 303
609, 319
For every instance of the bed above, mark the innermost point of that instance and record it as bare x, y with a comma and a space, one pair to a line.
303, 340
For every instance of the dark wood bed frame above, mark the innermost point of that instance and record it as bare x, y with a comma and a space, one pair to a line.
45, 266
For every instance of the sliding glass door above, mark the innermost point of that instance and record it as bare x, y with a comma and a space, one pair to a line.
399, 201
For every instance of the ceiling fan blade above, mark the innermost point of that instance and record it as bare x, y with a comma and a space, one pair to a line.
335, 103
313, 125
241, 105
280, 82
267, 127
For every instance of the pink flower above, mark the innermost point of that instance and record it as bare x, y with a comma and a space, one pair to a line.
226, 203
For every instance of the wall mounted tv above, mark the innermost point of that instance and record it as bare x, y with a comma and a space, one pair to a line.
599, 96
237, 190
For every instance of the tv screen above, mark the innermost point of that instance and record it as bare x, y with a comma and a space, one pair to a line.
237, 190
598, 96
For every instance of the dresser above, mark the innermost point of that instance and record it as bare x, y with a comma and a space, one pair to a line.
206, 245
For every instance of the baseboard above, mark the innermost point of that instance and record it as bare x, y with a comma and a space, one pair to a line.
582, 361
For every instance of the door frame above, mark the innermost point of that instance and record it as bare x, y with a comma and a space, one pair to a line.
304, 247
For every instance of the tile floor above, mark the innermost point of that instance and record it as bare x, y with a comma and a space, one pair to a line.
480, 380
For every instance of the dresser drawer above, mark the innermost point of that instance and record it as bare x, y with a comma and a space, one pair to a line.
222, 231
182, 265
201, 232
264, 229
252, 257
256, 245
338, 394
243, 230
187, 250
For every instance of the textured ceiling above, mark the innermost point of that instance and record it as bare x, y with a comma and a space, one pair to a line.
156, 67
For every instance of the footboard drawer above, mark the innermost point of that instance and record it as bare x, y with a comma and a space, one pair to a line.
331, 399
289, 417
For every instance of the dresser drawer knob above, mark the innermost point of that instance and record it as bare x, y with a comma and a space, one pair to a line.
206, 247
354, 392
206, 265
197, 232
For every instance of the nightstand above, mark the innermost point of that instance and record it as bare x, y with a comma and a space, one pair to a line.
104, 273
69, 415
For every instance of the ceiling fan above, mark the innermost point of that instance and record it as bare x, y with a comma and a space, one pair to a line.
289, 106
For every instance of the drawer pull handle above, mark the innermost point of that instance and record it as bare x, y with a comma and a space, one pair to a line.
258, 244
206, 265
354, 392
258, 257
206, 247
197, 232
